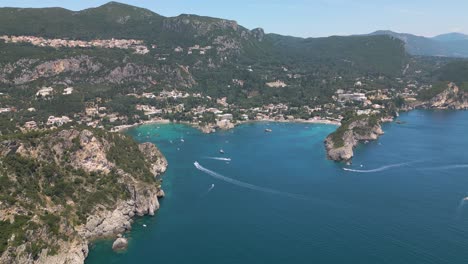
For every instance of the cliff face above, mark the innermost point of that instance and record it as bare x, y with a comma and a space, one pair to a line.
451, 98
340, 145
73, 184
93, 70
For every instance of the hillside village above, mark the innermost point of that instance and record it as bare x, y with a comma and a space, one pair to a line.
216, 113
212, 113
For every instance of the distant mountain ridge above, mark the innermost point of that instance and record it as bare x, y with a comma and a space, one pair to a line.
121, 21
451, 37
445, 45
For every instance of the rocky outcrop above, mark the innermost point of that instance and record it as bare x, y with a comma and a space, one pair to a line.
341, 152
75, 65
224, 124
451, 98
87, 151
120, 244
258, 33
154, 157
340, 144
92, 70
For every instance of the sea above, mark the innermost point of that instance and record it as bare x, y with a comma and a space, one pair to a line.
275, 198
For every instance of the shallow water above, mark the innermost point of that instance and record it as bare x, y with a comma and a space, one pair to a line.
400, 201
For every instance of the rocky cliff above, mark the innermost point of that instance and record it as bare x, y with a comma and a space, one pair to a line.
453, 97
340, 144
63, 189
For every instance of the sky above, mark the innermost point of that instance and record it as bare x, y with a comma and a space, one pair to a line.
305, 18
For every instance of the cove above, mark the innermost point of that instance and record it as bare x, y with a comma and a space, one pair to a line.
401, 201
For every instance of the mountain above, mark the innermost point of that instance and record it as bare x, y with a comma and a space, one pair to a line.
451, 37
186, 52
447, 45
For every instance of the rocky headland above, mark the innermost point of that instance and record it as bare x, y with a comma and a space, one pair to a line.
452, 97
71, 187
340, 144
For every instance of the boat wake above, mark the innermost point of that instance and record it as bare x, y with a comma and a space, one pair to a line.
460, 207
383, 168
218, 158
211, 187
246, 185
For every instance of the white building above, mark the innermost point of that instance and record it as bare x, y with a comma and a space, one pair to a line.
52, 120
68, 91
45, 91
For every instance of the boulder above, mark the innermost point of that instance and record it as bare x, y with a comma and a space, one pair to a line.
120, 244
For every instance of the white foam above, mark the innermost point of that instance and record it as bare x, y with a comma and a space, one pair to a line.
244, 184
219, 158
383, 168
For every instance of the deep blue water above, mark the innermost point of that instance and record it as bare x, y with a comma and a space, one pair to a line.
409, 212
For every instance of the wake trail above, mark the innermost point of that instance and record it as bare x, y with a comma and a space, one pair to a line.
218, 158
383, 168
460, 207
209, 190
246, 185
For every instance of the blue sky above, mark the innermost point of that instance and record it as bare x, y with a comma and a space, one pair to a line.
305, 18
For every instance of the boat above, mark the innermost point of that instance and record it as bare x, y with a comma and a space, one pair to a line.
268, 130
221, 151
182, 140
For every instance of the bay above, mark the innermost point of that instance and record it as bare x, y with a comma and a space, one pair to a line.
401, 201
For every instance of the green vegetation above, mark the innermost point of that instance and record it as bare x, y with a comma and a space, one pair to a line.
7, 230
124, 152
350, 117
430, 93
50, 181
456, 71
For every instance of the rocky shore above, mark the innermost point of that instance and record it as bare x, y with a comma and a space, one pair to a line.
451, 98
89, 152
340, 145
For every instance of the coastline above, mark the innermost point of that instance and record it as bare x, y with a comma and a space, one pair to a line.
210, 128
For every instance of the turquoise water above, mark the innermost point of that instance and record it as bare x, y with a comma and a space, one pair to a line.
403, 205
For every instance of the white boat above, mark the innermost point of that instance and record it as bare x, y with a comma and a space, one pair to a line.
268, 130
221, 151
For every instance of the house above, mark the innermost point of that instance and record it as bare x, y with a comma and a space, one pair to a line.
68, 91
5, 110
352, 97
45, 91
52, 120
30, 125
91, 111
222, 101
225, 116
276, 84
148, 95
